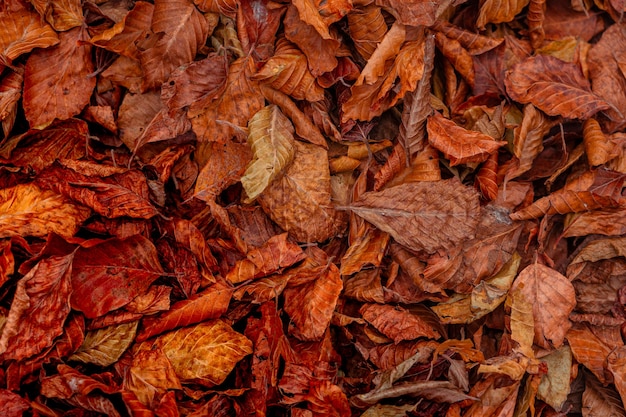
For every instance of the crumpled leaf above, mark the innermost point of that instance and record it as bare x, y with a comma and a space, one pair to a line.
498, 11
25, 32
300, 201
39, 308
218, 118
204, 353
181, 31
150, 376
556, 87
367, 28
61, 75
270, 135
421, 215
310, 306
27, 210
103, 347
109, 274
397, 323
555, 385
10, 94
552, 297
600, 400
591, 190
458, 144
62, 15
415, 12
12, 404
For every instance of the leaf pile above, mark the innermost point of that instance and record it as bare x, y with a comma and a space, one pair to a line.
312, 208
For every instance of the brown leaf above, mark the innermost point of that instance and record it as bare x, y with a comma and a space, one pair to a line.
299, 201
24, 31
126, 36
499, 11
277, 253
591, 190
415, 12
423, 216
210, 303
474, 43
109, 274
12, 404
398, 323
598, 399
10, 93
458, 144
611, 222
217, 118
558, 88
598, 147
367, 28
61, 74
552, 297
226, 163
310, 306
204, 353
39, 308
116, 195
181, 31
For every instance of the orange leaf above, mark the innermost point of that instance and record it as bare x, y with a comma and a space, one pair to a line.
181, 31
208, 304
10, 93
218, 118
415, 12
150, 376
554, 86
62, 15
367, 28
591, 190
25, 32
598, 147
552, 297
421, 215
61, 74
458, 144
310, 306
205, 353
499, 11
39, 308
275, 254
590, 351
397, 323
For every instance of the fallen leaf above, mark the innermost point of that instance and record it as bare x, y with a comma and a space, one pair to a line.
103, 347
422, 216
397, 323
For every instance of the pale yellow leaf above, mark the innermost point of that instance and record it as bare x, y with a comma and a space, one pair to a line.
104, 346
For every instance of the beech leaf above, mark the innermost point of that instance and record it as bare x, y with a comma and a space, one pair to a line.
556, 87
270, 135
204, 353
423, 216
103, 347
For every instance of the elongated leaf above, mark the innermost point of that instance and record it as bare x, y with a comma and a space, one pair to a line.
208, 304
109, 274
26, 210
61, 75
423, 216
458, 144
205, 353
270, 135
39, 308
556, 87
103, 347
367, 28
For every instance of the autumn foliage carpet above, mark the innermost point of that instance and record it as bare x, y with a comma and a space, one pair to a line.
312, 208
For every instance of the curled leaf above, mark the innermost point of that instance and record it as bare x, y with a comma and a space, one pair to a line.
270, 135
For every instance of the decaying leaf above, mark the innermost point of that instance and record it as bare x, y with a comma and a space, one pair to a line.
104, 346
270, 135
423, 216
204, 353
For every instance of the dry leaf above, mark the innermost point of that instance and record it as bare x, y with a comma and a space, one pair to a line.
557, 88
422, 216
270, 135
552, 297
104, 346
204, 353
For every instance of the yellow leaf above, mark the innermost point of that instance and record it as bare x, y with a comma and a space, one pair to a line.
270, 135
104, 346
205, 353
26, 210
